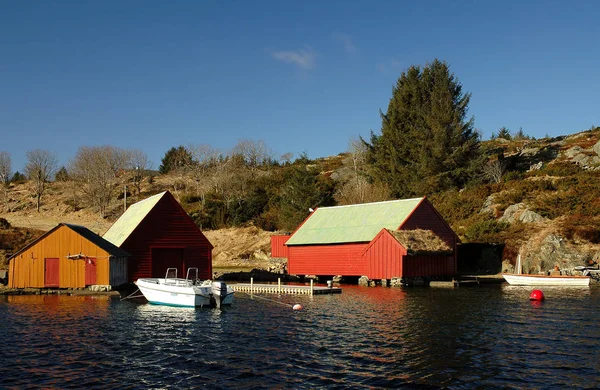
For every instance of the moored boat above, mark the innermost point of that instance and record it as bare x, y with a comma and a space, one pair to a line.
188, 292
546, 280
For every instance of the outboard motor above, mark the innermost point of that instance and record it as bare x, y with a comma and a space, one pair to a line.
219, 292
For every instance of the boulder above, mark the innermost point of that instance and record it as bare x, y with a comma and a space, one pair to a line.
487, 207
529, 216
512, 212
596, 148
519, 212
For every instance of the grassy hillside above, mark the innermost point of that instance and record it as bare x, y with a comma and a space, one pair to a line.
532, 192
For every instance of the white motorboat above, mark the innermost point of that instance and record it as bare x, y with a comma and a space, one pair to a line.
188, 292
546, 280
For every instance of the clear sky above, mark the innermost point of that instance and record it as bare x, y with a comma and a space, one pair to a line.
302, 76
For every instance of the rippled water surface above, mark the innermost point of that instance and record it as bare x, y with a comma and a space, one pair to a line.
364, 338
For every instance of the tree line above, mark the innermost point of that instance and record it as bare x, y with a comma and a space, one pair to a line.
427, 144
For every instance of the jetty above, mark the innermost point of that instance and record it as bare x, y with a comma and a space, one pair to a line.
296, 289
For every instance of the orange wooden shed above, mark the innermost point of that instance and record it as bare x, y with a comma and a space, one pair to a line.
68, 256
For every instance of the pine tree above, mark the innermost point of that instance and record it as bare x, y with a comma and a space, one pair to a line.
175, 158
427, 143
303, 189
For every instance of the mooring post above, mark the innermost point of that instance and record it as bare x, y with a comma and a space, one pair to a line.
251, 285
311, 287
279, 285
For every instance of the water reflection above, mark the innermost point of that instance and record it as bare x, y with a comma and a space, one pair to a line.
362, 338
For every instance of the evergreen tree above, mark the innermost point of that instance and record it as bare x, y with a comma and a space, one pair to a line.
62, 174
427, 143
504, 133
303, 189
18, 178
175, 158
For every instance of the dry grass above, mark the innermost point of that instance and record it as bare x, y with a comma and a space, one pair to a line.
421, 242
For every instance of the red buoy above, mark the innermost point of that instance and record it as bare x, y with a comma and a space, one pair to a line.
297, 306
536, 295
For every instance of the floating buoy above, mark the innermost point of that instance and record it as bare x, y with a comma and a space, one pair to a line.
297, 306
536, 295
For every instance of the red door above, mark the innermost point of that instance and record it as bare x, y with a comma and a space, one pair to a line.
51, 278
90, 271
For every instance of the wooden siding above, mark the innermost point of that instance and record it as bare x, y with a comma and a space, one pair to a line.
167, 225
278, 247
386, 258
426, 217
27, 269
427, 266
118, 271
336, 259
383, 257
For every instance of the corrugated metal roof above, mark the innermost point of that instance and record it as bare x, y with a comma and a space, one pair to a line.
353, 223
126, 224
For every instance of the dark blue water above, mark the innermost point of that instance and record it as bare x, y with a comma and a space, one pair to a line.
491, 337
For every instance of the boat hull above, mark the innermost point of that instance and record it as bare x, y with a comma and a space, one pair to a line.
545, 280
181, 293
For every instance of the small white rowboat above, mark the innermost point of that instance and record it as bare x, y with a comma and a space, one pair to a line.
546, 280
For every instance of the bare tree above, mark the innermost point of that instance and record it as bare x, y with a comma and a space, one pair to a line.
286, 158
5, 168
99, 169
205, 162
358, 153
494, 170
253, 153
41, 165
137, 163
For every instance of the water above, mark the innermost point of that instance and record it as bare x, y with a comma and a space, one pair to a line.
489, 337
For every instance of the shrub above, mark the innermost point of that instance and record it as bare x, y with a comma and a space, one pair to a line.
190, 198
4, 224
456, 206
512, 176
581, 227
561, 168
485, 229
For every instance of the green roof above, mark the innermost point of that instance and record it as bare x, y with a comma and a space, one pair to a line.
353, 223
126, 224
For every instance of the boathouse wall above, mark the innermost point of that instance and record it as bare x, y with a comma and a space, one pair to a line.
62, 258
333, 259
386, 258
383, 257
167, 237
278, 247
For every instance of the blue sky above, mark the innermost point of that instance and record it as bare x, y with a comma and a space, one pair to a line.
303, 76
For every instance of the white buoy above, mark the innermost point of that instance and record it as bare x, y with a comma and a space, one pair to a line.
297, 306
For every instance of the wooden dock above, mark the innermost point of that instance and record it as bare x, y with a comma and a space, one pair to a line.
254, 288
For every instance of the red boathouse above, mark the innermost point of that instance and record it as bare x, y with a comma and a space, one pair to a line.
159, 234
362, 240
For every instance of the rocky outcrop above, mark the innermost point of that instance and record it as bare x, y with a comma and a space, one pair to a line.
488, 205
588, 159
529, 157
553, 250
519, 212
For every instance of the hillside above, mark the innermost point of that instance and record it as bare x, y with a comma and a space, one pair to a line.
244, 247
540, 198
